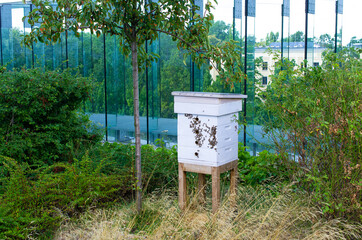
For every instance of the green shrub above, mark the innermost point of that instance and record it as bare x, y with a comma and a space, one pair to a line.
40, 119
263, 169
159, 165
319, 111
37, 201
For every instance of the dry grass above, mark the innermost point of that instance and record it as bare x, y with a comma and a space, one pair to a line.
259, 214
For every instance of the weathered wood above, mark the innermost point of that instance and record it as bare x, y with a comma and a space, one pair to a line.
188, 167
196, 168
201, 188
215, 176
233, 184
233, 180
228, 166
182, 187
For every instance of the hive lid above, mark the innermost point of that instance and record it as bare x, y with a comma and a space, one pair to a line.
209, 95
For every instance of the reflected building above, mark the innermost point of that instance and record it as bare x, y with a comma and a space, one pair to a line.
110, 106
295, 52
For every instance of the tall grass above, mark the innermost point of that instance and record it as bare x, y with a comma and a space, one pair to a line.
262, 213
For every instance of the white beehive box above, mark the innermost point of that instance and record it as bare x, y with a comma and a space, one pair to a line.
207, 128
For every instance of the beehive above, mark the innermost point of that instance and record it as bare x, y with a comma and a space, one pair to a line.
207, 127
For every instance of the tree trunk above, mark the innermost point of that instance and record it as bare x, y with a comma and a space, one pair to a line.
137, 125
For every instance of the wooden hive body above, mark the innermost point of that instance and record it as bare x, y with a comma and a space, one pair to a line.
207, 127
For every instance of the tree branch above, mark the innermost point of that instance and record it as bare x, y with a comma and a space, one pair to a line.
153, 10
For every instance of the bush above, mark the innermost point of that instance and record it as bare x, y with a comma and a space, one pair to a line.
37, 201
319, 110
159, 165
265, 168
40, 119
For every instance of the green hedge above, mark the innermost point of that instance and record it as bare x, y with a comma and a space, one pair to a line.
35, 202
40, 119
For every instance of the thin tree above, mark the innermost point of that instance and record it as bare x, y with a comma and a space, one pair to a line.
135, 22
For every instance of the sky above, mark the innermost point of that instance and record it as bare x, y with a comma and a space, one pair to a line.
268, 17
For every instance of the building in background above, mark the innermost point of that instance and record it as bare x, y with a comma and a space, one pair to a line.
101, 58
295, 52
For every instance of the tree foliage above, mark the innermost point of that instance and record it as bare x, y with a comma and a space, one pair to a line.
137, 22
297, 37
325, 40
271, 37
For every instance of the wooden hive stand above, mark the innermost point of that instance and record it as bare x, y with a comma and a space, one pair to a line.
207, 139
215, 178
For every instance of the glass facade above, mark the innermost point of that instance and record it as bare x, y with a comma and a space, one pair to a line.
282, 25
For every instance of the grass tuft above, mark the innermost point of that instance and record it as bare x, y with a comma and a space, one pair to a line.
259, 213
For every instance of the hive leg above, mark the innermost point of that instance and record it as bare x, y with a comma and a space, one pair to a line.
201, 188
215, 175
233, 184
182, 186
